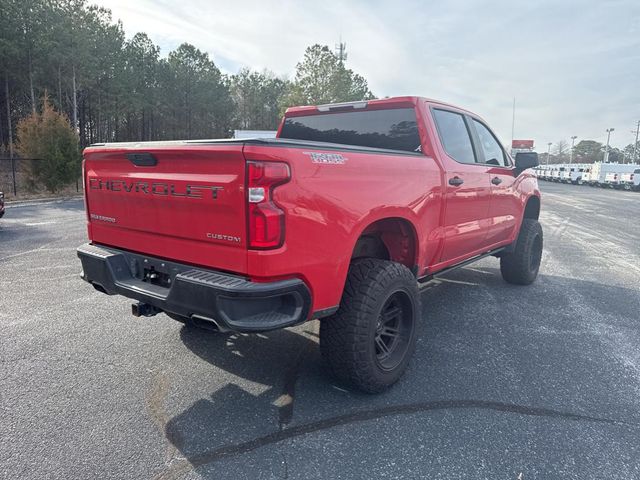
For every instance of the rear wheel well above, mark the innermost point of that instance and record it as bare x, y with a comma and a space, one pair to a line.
388, 239
532, 209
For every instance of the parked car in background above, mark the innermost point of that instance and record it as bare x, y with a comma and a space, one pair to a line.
551, 172
611, 180
575, 173
586, 176
563, 174
631, 180
604, 174
594, 176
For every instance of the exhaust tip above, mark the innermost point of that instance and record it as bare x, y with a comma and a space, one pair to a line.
207, 323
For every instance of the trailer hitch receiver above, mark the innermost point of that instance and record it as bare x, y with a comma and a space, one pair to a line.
144, 310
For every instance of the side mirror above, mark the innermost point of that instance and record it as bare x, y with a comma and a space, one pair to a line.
526, 160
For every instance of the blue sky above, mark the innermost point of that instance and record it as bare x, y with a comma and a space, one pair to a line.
573, 66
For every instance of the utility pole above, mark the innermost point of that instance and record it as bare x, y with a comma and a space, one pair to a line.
513, 123
548, 151
606, 150
635, 145
573, 139
13, 161
342, 51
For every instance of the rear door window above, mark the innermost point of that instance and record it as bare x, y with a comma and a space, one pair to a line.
454, 135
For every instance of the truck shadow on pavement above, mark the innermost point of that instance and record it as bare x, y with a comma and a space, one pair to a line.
484, 345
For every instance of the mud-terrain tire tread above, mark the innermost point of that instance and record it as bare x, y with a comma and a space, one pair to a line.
515, 266
345, 340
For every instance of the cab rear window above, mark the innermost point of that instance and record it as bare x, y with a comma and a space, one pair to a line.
393, 129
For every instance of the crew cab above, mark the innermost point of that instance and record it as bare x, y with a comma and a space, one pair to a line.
340, 218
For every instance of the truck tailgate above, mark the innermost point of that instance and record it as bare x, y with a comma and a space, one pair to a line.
183, 203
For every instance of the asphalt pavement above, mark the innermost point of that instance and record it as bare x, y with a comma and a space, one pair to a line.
508, 382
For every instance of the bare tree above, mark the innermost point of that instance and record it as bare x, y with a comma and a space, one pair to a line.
562, 147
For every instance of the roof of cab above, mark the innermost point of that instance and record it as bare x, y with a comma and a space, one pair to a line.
395, 102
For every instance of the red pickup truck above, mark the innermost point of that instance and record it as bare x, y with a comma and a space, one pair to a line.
341, 217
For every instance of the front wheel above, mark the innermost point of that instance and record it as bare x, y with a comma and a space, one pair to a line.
521, 266
369, 341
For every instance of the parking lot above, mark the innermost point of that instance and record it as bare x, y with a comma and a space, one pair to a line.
507, 382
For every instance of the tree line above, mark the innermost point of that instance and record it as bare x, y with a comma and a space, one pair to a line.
116, 89
69, 62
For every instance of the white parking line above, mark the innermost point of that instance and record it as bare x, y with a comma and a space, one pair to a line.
35, 224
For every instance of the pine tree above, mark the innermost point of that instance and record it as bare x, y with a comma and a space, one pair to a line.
49, 138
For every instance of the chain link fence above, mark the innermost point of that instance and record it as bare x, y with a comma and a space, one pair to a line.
18, 182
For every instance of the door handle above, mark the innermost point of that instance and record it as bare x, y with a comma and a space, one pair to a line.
456, 181
496, 180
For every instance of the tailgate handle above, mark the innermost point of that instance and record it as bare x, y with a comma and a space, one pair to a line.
142, 159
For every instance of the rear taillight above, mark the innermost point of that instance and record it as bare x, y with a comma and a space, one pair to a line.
266, 220
84, 190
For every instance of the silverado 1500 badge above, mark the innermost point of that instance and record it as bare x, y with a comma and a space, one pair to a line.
102, 218
330, 158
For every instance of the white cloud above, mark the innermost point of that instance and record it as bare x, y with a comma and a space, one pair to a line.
573, 66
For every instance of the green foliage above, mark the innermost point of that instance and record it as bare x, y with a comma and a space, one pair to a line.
256, 97
114, 89
201, 105
322, 78
629, 152
588, 151
49, 138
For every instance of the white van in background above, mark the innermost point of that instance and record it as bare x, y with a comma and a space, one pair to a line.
610, 175
631, 180
603, 174
564, 176
586, 176
611, 179
575, 174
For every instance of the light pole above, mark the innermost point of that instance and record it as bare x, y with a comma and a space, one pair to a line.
573, 140
606, 150
548, 151
635, 145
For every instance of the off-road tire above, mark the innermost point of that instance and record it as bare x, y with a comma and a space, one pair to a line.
350, 339
521, 266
